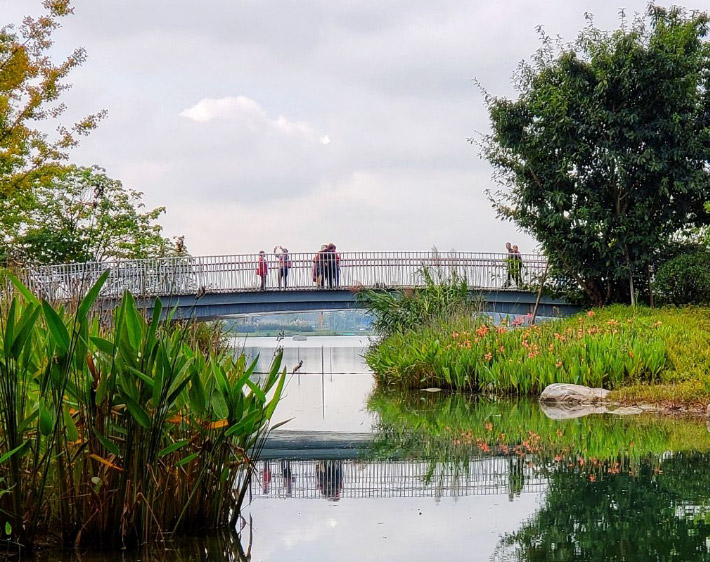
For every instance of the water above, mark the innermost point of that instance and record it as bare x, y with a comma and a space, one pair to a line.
441, 477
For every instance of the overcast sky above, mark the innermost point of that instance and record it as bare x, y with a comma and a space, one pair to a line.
264, 122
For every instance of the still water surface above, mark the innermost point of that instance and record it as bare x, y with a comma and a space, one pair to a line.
445, 477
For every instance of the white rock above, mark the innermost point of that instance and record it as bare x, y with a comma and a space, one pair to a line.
573, 393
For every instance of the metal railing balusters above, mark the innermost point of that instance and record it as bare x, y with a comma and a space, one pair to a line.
185, 275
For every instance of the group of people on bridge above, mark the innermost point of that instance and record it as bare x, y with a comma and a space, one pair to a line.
325, 270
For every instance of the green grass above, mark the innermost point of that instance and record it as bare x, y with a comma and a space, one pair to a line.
641, 352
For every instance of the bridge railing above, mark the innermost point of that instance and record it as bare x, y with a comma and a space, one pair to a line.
364, 478
186, 275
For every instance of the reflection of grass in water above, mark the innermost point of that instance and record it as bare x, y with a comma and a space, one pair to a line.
452, 427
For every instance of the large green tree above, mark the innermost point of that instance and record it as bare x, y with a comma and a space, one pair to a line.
31, 84
81, 215
605, 153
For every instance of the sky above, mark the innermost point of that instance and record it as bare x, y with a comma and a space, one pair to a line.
259, 123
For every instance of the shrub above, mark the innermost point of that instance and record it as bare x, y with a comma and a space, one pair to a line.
684, 279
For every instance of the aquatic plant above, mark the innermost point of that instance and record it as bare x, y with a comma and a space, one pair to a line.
124, 434
469, 352
396, 311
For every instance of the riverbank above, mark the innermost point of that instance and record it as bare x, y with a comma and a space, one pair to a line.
651, 356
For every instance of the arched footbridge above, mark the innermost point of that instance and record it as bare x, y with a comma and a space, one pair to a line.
216, 286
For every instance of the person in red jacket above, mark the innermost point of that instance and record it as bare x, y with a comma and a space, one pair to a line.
262, 268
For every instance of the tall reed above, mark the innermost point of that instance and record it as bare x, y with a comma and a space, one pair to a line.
396, 311
121, 435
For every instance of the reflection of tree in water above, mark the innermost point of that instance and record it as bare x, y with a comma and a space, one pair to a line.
645, 511
330, 478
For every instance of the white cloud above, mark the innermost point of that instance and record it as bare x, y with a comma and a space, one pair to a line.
247, 112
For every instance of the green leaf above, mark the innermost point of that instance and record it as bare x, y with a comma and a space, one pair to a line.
277, 396
172, 448
56, 327
261, 397
8, 528
133, 321
187, 459
245, 426
110, 446
46, 421
103, 345
24, 330
19, 450
72, 432
136, 410
10, 325
219, 405
88, 301
24, 291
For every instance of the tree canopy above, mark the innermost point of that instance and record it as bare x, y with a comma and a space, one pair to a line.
30, 87
605, 154
81, 215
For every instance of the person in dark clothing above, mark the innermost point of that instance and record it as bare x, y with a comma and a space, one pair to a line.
284, 265
328, 263
329, 474
318, 266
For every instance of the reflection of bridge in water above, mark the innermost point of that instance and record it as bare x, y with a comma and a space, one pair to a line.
357, 478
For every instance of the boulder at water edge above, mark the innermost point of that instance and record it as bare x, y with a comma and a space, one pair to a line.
572, 394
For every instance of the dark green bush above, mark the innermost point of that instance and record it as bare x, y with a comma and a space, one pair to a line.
684, 279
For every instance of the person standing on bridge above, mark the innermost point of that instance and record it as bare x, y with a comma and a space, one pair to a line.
509, 265
319, 265
284, 265
336, 264
262, 269
517, 263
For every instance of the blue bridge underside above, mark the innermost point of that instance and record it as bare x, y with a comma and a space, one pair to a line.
218, 305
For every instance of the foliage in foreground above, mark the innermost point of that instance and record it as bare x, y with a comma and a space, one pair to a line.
123, 435
604, 348
603, 157
399, 310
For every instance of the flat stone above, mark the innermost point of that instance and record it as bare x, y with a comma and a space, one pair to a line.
573, 393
